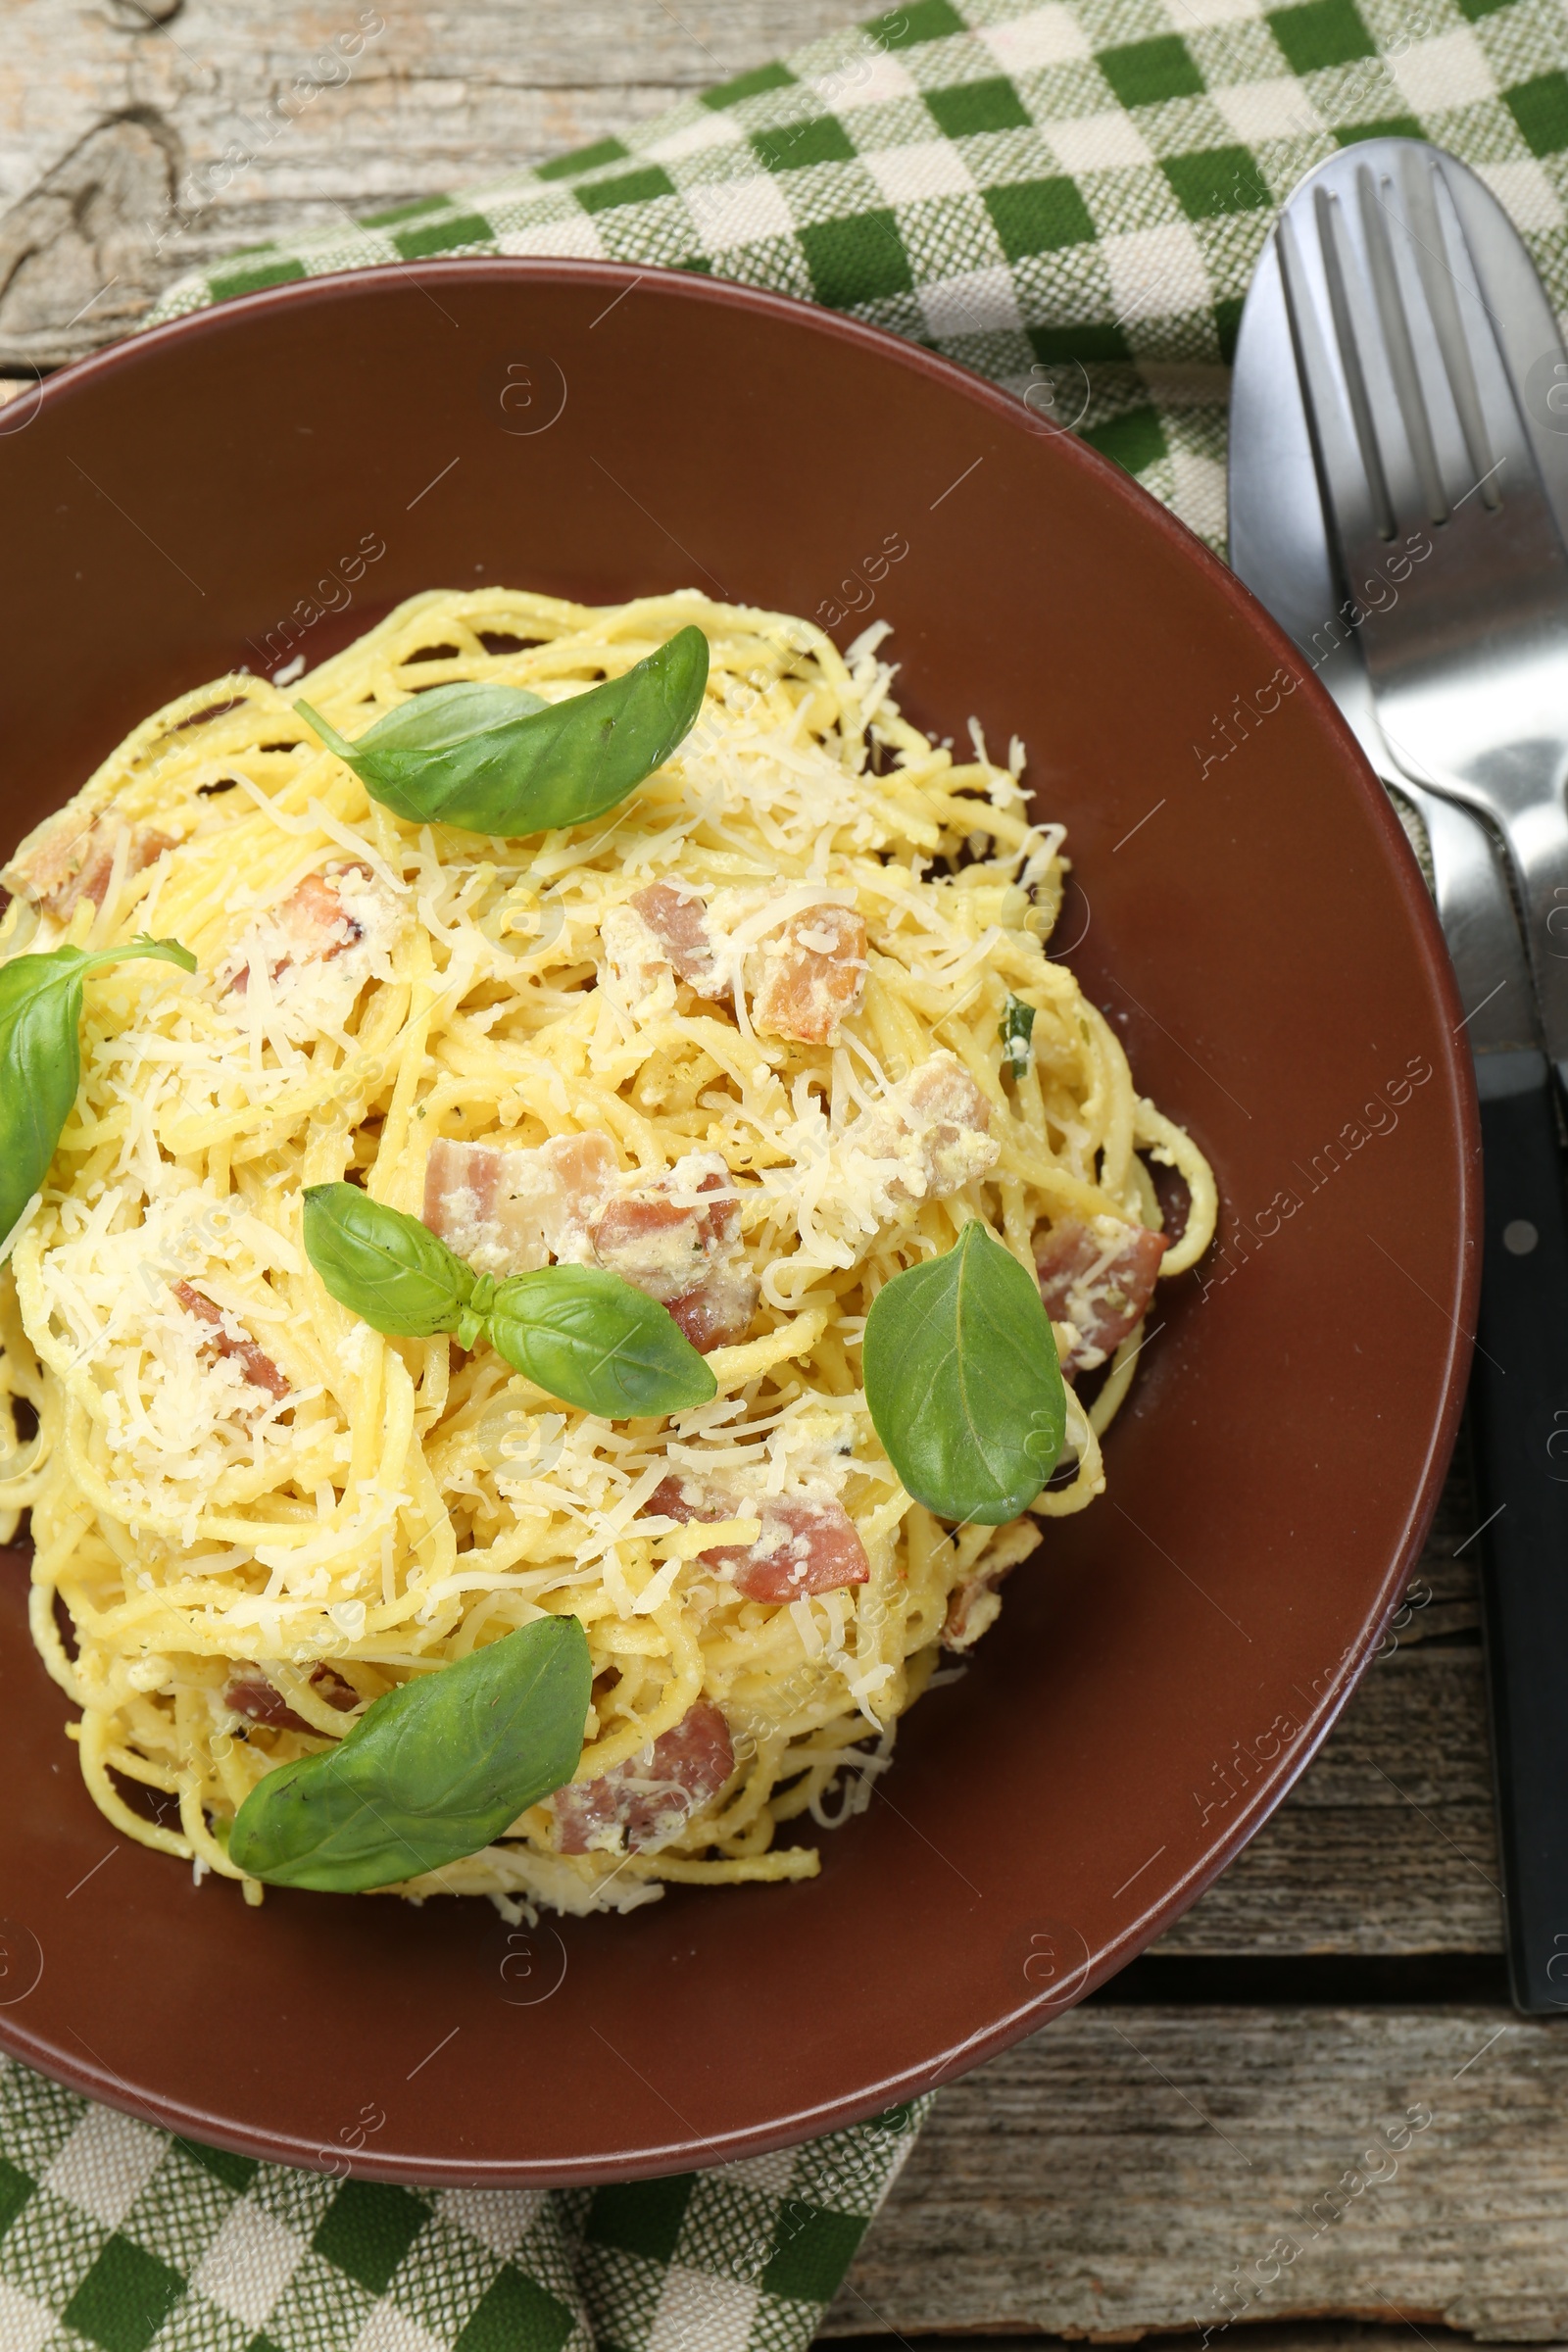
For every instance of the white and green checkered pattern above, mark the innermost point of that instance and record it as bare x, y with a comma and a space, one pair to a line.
115, 2237
1069, 198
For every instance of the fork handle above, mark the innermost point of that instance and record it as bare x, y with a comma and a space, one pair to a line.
1536, 839
1519, 1400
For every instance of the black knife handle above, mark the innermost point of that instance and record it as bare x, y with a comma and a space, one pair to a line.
1519, 1400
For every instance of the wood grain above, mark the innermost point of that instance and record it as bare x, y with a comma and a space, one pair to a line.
129, 156
1388, 1842
1284, 2336
1131, 2169
1135, 2169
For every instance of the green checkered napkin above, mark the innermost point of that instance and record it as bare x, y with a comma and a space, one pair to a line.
1069, 198
115, 2237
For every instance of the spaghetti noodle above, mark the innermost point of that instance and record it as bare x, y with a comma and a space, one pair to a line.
769, 991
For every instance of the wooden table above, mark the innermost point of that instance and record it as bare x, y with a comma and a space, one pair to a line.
1190, 2146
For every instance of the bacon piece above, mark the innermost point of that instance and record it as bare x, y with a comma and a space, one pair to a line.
804, 1546
312, 924
652, 1242
678, 920
68, 857
584, 1166
252, 1696
676, 1498
663, 929
1098, 1278
663, 1237
718, 1312
813, 973
462, 1185
508, 1211
647, 1800
228, 1340
935, 1124
947, 1111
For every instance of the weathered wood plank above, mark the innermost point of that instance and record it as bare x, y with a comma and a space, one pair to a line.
1132, 2170
132, 150
1291, 2336
1387, 1844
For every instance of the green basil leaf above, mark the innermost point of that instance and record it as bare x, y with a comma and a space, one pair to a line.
432, 1771
40, 1056
578, 1332
596, 1343
391, 1270
496, 760
1015, 1029
962, 1380
443, 718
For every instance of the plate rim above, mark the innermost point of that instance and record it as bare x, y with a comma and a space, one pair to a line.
93, 2079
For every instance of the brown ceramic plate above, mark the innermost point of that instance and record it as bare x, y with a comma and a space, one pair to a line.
1169, 1661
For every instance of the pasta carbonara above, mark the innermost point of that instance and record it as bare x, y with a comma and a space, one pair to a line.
771, 1031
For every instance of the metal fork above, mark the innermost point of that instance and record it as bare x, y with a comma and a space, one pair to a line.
1446, 540
1355, 304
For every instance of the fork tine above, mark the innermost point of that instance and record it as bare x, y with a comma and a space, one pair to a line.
1475, 415
1395, 342
1413, 409
1352, 494
1398, 345
1420, 183
1338, 279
